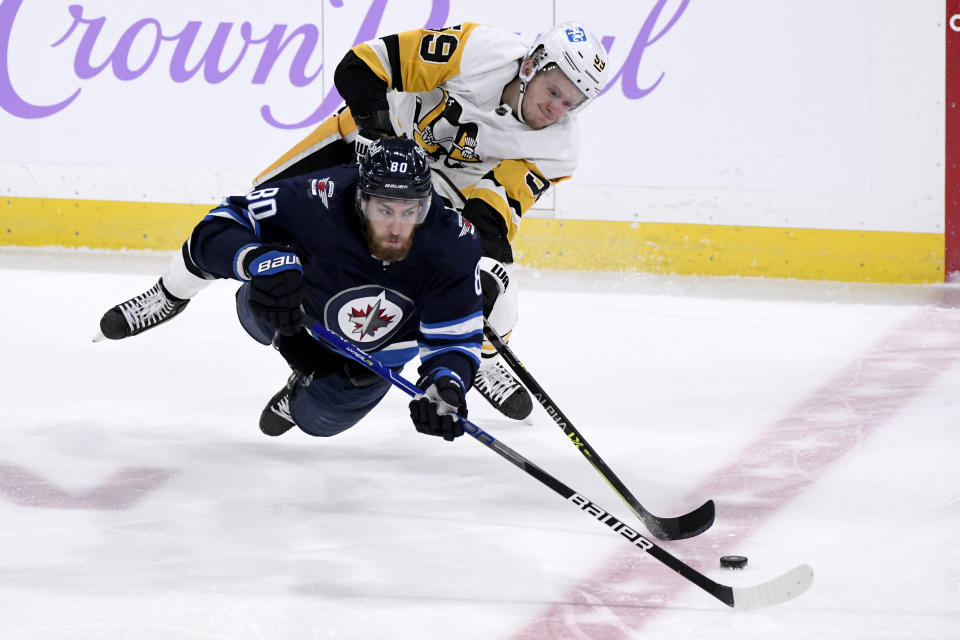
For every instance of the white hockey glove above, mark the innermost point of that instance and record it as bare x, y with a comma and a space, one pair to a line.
370, 128
365, 138
500, 301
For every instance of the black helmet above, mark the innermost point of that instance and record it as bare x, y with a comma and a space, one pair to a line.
395, 168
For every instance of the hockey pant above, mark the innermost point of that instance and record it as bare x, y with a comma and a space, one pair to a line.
329, 145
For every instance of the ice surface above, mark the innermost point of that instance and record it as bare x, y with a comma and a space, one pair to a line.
139, 499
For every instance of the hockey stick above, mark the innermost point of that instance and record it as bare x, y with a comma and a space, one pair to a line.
780, 589
665, 528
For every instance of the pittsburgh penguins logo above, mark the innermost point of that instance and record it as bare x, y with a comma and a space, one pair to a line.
440, 133
368, 316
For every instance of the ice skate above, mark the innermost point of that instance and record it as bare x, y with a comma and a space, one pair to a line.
136, 315
503, 391
275, 419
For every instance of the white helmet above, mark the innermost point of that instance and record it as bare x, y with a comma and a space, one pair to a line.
576, 51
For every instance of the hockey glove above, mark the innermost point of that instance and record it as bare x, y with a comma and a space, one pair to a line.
370, 128
494, 282
276, 286
435, 412
492, 289
500, 302
365, 138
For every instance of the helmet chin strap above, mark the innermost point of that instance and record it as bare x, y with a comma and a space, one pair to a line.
524, 79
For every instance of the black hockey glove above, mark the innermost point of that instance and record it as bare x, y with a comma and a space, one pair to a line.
306, 355
370, 128
276, 286
434, 413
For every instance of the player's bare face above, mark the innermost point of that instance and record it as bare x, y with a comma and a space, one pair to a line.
549, 96
390, 225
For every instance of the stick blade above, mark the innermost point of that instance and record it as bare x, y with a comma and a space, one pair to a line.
781, 589
685, 526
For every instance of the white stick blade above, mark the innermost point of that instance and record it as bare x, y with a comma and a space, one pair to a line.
786, 587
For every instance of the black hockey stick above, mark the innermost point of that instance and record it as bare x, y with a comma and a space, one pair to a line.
665, 528
780, 589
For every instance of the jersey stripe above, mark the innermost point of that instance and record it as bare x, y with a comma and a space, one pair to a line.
365, 51
406, 344
458, 326
495, 196
416, 60
398, 353
461, 335
444, 51
334, 128
471, 352
441, 340
244, 219
392, 43
506, 189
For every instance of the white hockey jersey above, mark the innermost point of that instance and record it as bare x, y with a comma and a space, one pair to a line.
447, 97
444, 90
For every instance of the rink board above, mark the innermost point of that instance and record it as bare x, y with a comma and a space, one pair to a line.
687, 249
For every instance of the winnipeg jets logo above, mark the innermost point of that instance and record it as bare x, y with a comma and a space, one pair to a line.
322, 189
466, 227
369, 316
366, 322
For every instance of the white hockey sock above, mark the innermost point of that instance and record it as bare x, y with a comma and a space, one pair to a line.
179, 281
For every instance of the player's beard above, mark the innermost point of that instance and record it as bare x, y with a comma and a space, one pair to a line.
381, 250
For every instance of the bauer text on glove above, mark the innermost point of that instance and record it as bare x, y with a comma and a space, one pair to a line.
276, 285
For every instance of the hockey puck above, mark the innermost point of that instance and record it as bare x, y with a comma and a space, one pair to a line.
733, 562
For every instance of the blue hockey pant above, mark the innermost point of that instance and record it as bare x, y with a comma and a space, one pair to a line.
329, 404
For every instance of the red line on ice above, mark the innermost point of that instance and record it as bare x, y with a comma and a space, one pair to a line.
120, 491
631, 588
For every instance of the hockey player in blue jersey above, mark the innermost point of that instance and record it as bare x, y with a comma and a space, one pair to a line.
373, 255
497, 117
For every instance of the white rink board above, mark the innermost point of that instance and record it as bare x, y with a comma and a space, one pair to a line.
798, 113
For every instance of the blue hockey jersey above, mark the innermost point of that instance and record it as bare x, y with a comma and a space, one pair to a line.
429, 303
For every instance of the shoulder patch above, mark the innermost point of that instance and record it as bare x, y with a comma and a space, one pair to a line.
322, 189
466, 227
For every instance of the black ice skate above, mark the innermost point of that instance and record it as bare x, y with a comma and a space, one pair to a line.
503, 391
275, 419
138, 314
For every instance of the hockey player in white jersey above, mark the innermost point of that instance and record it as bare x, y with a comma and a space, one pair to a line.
497, 119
